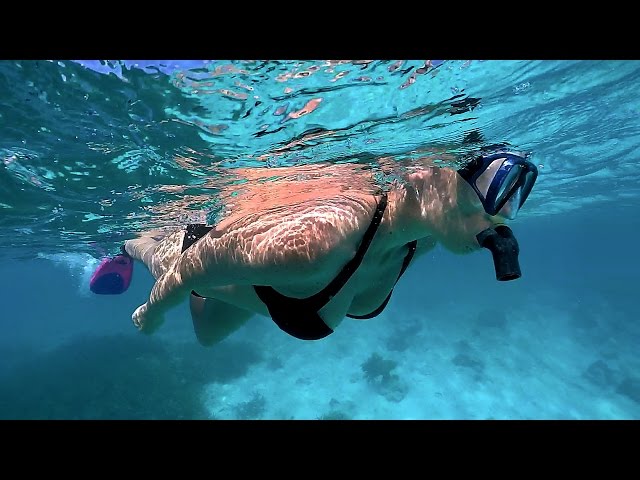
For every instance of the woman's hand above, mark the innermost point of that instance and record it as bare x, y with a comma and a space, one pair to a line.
144, 321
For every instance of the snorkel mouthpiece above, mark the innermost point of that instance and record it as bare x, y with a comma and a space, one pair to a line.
504, 248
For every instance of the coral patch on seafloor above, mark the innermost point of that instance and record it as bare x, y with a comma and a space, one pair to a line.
120, 377
600, 374
630, 388
378, 372
252, 409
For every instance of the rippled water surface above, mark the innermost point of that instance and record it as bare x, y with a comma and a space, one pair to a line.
93, 151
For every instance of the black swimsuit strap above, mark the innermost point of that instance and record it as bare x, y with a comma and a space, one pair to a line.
317, 301
299, 316
193, 233
407, 260
323, 297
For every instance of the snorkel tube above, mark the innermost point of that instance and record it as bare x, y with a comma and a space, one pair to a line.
504, 248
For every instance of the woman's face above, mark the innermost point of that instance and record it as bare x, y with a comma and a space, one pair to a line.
468, 200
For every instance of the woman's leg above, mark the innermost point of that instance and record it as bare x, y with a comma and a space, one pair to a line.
214, 320
156, 252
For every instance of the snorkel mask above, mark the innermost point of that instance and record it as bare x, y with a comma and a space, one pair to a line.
502, 181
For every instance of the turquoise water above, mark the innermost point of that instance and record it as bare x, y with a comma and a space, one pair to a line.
93, 152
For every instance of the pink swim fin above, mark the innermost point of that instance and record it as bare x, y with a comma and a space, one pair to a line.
113, 275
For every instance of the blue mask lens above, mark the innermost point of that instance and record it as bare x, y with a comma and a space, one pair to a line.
500, 180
